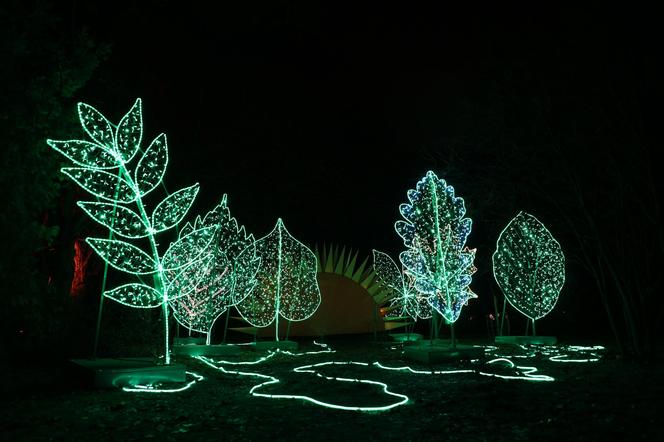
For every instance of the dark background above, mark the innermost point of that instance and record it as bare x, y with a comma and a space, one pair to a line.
324, 115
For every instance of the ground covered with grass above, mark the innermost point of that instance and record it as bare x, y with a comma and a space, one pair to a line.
499, 397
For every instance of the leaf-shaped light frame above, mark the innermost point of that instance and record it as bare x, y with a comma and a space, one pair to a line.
105, 185
96, 126
172, 209
286, 281
224, 277
85, 154
106, 174
434, 231
407, 301
151, 167
129, 133
123, 256
136, 295
529, 266
119, 219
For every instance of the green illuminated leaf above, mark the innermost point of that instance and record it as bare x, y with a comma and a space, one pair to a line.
96, 126
231, 237
152, 165
189, 278
209, 298
435, 231
286, 281
119, 219
130, 132
85, 153
108, 186
188, 248
123, 256
529, 266
173, 208
399, 289
387, 272
245, 267
136, 295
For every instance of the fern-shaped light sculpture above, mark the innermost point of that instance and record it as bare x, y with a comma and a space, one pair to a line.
435, 231
103, 169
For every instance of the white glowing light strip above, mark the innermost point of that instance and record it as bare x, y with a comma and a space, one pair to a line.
307, 369
557, 359
406, 368
211, 362
149, 389
527, 371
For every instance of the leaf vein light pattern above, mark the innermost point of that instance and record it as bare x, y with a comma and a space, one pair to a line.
434, 231
407, 301
286, 283
529, 266
226, 274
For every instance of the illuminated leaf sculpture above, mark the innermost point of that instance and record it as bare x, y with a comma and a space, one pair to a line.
221, 277
435, 232
529, 266
406, 300
286, 281
103, 170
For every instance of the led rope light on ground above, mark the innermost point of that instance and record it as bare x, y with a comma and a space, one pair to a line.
271, 380
150, 389
558, 359
411, 370
558, 353
527, 371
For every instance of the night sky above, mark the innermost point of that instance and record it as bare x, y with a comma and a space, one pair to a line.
326, 115
322, 116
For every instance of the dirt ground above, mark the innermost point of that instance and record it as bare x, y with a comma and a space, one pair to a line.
610, 399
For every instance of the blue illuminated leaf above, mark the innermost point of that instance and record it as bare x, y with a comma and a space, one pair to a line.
434, 231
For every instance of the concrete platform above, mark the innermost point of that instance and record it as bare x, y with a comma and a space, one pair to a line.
271, 345
207, 350
405, 337
189, 341
536, 340
117, 372
429, 354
